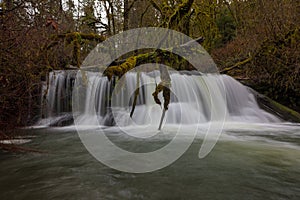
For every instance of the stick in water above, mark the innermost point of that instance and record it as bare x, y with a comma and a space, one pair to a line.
162, 119
136, 94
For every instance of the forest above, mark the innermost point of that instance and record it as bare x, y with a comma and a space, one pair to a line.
255, 41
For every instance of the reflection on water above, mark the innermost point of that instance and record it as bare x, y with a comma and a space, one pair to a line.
249, 162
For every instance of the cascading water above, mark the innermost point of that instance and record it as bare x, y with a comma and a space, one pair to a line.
195, 99
57, 97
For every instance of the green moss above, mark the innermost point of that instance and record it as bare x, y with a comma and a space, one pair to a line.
177, 19
76, 52
294, 114
278, 109
120, 70
76, 39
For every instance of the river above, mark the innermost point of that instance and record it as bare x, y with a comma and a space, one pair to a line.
250, 161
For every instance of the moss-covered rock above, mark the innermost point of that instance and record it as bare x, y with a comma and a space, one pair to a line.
276, 108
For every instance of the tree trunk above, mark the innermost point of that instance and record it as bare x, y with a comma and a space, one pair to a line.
126, 15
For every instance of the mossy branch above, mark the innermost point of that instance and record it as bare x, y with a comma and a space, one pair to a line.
156, 6
120, 70
237, 65
182, 10
76, 39
163, 56
69, 37
176, 19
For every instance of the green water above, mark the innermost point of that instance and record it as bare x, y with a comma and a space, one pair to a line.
263, 163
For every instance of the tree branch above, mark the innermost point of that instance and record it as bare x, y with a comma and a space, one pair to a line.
227, 69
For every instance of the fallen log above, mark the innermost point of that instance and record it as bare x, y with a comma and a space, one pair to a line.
161, 56
276, 108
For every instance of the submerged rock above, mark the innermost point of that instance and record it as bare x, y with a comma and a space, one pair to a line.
65, 120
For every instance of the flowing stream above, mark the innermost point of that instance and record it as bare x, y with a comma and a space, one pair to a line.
256, 157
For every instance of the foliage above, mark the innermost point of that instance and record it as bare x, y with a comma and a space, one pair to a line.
268, 35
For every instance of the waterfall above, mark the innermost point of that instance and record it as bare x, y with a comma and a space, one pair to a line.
56, 99
194, 99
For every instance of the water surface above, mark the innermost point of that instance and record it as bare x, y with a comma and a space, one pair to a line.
250, 161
